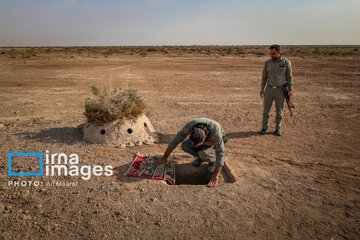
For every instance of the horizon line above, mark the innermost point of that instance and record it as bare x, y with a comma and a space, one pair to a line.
183, 45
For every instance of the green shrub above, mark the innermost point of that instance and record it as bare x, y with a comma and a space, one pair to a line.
113, 104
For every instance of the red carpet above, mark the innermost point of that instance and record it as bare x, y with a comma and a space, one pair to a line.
144, 167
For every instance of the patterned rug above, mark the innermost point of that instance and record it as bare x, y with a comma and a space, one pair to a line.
144, 167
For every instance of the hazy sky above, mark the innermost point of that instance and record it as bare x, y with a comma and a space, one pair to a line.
178, 22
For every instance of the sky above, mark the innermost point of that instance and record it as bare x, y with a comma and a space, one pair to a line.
178, 22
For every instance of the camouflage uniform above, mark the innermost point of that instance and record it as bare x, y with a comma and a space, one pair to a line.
213, 148
274, 76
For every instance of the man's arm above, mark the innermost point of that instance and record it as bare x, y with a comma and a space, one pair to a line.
220, 160
164, 157
220, 153
180, 136
264, 78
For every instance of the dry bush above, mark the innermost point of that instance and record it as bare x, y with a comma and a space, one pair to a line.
116, 104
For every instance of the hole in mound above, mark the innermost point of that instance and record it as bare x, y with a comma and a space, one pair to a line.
102, 131
187, 174
145, 125
130, 131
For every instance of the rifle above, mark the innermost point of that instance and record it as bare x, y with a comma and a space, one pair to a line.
288, 101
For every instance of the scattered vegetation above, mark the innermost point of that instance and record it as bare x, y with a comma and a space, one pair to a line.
173, 51
112, 104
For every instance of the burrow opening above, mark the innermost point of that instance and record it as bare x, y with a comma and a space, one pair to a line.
130, 131
187, 174
102, 131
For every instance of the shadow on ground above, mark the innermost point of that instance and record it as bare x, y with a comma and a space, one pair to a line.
67, 135
165, 138
242, 134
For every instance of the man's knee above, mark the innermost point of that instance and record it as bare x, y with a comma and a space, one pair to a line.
208, 155
186, 146
279, 113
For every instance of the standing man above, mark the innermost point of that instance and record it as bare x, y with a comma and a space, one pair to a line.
277, 73
207, 142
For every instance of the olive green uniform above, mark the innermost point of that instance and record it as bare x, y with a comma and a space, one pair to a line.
274, 76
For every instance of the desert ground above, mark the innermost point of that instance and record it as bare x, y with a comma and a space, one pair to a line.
302, 185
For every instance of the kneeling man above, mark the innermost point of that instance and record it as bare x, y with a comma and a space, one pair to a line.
207, 142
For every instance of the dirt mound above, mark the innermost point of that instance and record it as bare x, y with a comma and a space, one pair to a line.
121, 133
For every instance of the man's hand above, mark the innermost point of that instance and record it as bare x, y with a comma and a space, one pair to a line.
160, 161
262, 93
164, 158
213, 181
215, 177
289, 93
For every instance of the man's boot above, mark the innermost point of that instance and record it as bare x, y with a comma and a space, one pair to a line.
278, 132
263, 131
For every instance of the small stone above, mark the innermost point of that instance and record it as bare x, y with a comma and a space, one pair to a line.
129, 144
26, 217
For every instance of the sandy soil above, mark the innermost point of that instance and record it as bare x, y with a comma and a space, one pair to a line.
303, 185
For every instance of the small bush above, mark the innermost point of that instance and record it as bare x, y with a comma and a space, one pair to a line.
109, 105
239, 52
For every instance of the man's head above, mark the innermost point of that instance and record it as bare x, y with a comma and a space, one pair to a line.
274, 51
197, 137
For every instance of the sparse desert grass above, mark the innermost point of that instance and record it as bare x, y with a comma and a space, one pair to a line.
112, 104
173, 51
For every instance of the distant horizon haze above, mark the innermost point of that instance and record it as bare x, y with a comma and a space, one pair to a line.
66, 23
